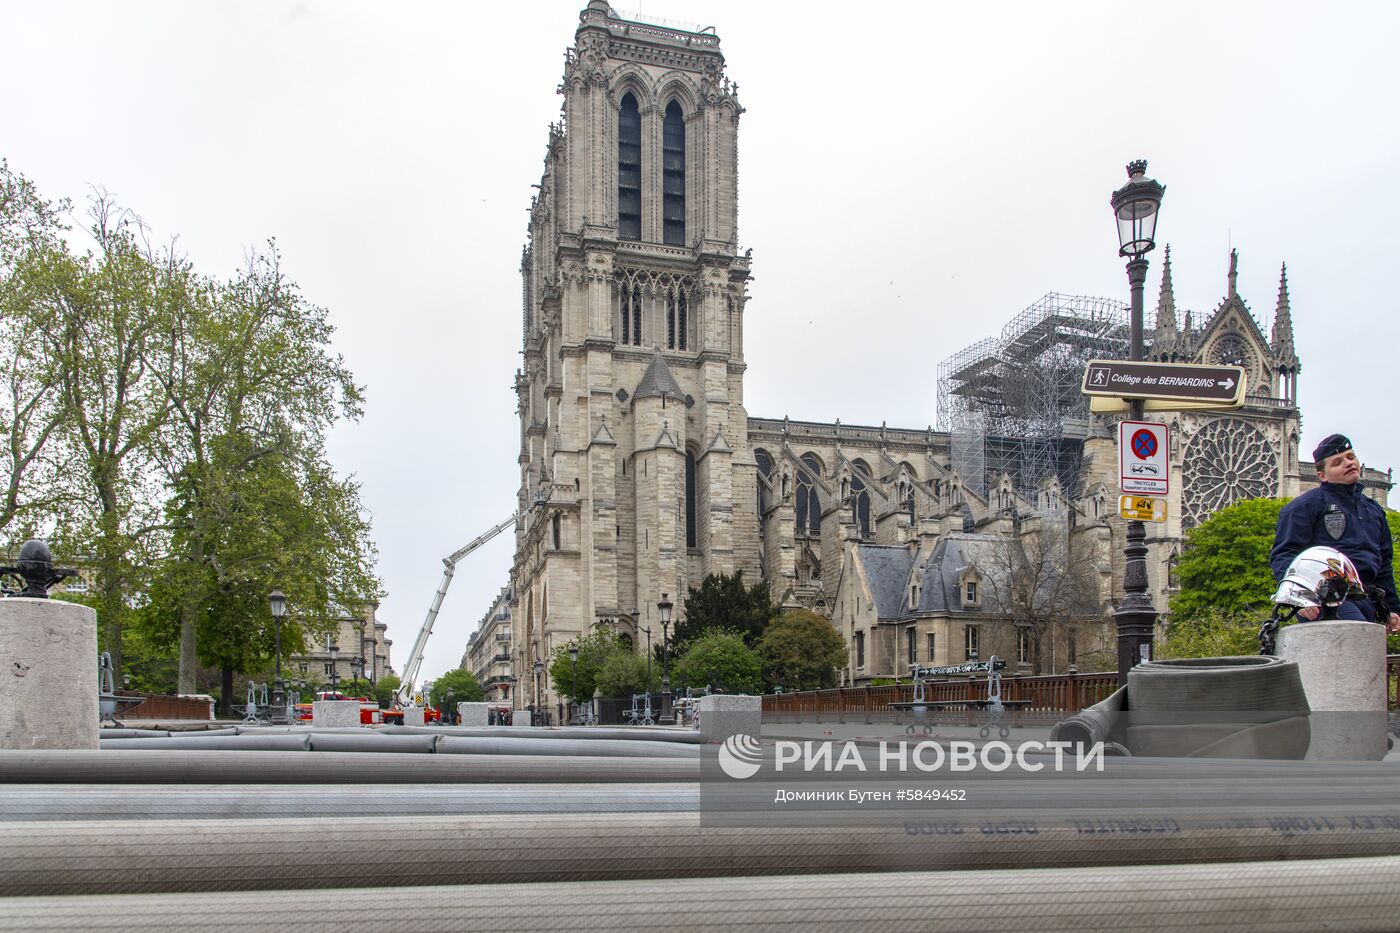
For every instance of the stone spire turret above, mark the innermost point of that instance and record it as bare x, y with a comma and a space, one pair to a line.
1166, 337
1281, 340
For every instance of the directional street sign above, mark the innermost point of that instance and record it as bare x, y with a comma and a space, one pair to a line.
1215, 386
1142, 457
1142, 508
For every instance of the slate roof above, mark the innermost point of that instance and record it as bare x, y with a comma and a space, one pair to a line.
888, 569
658, 381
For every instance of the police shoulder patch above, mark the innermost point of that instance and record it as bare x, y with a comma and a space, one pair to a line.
1336, 523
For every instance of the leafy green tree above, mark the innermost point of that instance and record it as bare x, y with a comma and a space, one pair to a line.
458, 686
385, 688
722, 601
578, 680
1213, 635
1224, 567
624, 673
356, 687
252, 389
98, 317
31, 410
720, 658
800, 650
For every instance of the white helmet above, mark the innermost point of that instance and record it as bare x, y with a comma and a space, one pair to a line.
1320, 576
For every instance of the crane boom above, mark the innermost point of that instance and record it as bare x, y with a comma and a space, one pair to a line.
449, 565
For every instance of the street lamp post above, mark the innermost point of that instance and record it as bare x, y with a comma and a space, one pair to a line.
573, 673
647, 629
663, 609
1135, 207
331, 649
278, 604
539, 708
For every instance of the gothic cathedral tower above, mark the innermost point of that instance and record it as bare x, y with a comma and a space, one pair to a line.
636, 476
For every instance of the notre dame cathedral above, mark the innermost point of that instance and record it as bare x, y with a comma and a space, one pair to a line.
651, 473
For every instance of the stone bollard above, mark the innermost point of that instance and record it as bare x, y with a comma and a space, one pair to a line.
335, 714
413, 716
1342, 665
48, 674
720, 716
520, 717
473, 714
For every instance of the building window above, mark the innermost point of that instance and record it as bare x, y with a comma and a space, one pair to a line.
765, 470
330, 668
1023, 646
809, 507
629, 170
557, 523
912, 637
673, 176
860, 499
970, 593
971, 642
932, 646
860, 649
675, 319
631, 312
690, 500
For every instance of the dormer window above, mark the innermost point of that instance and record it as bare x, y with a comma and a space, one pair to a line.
970, 593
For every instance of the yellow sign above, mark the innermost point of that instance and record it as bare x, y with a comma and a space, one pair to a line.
1142, 508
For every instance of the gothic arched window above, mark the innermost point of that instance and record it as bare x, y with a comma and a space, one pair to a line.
631, 305
809, 507
765, 470
629, 170
860, 498
673, 176
675, 319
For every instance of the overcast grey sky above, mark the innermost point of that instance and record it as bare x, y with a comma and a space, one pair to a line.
911, 176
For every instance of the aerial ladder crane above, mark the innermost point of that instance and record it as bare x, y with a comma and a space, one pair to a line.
449, 565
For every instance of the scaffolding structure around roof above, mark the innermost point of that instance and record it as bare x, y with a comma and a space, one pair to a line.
1012, 403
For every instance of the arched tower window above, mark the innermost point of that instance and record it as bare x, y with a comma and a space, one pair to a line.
765, 470
675, 319
809, 507
631, 305
690, 500
673, 176
629, 169
860, 498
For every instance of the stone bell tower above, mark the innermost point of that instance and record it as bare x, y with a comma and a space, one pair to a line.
633, 431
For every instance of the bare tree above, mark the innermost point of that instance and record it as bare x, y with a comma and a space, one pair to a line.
1048, 582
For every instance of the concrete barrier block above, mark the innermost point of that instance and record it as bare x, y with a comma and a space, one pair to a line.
520, 717
1342, 666
413, 716
48, 674
335, 714
473, 714
719, 717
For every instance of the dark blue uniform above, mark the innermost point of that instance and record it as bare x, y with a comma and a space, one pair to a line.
1341, 517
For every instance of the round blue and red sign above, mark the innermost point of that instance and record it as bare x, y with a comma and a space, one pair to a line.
1144, 444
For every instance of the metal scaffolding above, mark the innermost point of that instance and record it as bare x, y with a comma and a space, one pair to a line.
1012, 403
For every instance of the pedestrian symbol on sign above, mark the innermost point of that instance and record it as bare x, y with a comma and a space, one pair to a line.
1098, 376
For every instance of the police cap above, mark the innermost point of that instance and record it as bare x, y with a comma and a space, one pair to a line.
1331, 444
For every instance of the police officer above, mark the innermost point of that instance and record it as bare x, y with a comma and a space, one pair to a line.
1337, 514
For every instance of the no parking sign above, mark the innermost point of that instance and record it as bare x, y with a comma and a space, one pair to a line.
1142, 457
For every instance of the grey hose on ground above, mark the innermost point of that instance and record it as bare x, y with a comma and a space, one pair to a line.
1357, 894
161, 766
65, 858
32, 802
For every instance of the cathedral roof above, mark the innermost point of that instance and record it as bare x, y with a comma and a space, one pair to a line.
658, 380
887, 568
